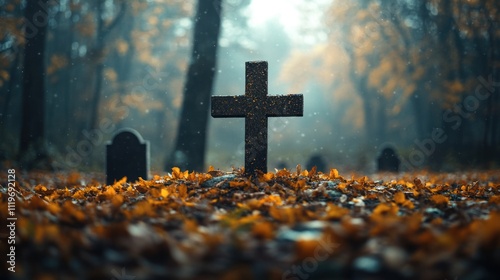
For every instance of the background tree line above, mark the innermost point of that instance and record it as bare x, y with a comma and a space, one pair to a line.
374, 73
408, 69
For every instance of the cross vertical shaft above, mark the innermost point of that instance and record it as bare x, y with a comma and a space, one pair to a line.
256, 121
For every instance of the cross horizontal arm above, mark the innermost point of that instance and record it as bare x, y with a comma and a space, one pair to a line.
228, 106
285, 105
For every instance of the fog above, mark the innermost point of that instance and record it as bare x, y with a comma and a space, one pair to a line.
413, 75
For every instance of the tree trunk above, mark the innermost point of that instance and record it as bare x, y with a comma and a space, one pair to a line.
99, 68
103, 31
124, 62
32, 150
189, 149
6, 97
381, 127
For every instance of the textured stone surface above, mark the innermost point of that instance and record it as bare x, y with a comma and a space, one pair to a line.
256, 106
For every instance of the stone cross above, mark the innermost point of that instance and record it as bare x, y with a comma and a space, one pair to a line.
127, 155
256, 106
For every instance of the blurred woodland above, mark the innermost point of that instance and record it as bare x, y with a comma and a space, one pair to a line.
420, 76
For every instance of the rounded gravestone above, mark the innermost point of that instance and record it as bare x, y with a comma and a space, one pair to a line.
388, 160
318, 161
127, 155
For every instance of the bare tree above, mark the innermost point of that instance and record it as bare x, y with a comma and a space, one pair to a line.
103, 31
189, 149
32, 149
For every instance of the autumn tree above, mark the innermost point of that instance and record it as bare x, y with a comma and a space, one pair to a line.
11, 43
104, 27
140, 70
423, 59
189, 150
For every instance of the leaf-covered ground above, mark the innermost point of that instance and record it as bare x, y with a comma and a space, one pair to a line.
282, 225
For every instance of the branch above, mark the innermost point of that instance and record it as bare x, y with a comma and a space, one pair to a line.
116, 20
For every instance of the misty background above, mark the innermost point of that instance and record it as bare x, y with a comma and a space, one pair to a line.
419, 76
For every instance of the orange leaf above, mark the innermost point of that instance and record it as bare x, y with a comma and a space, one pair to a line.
238, 184
71, 213
120, 182
263, 230
439, 200
399, 197
117, 200
190, 226
285, 215
79, 194
110, 192
182, 189
334, 173
494, 199
306, 248
164, 193
176, 173
386, 209
53, 208
266, 177
143, 208
283, 173
334, 212
408, 204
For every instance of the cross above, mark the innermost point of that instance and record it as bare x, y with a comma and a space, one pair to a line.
256, 106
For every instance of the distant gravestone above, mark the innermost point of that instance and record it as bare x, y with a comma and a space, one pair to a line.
127, 155
318, 161
388, 161
256, 106
281, 165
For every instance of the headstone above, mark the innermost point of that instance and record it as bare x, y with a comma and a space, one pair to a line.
318, 161
127, 155
388, 160
281, 165
256, 106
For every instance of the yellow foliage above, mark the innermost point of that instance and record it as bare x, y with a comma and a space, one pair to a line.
141, 102
334, 174
110, 74
56, 63
122, 46
266, 177
263, 230
384, 209
399, 197
439, 200
334, 212
197, 220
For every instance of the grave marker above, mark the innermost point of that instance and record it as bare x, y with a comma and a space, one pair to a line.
388, 160
281, 165
318, 161
127, 155
256, 106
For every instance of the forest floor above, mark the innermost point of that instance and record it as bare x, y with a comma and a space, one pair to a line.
282, 225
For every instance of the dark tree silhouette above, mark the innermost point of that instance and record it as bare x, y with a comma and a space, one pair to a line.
99, 54
32, 149
189, 149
